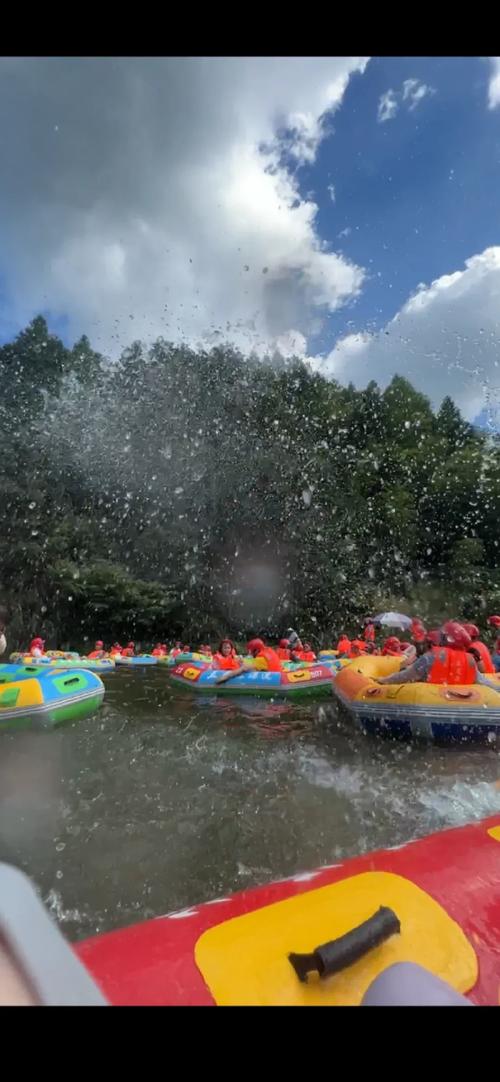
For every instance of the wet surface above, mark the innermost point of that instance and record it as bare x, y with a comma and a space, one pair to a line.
162, 800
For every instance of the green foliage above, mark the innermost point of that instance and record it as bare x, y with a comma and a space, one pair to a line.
204, 492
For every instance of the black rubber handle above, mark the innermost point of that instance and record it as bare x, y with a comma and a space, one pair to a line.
340, 953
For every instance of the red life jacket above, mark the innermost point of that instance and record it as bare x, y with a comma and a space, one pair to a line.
344, 645
222, 662
369, 633
283, 654
157, 652
305, 655
485, 655
95, 654
127, 652
273, 661
451, 667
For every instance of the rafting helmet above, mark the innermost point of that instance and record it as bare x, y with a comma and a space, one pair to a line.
494, 621
100, 643
455, 635
472, 630
254, 646
284, 644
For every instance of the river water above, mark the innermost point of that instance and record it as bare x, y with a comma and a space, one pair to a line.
162, 800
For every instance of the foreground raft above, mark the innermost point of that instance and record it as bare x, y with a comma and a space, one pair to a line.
443, 713
37, 695
442, 892
312, 682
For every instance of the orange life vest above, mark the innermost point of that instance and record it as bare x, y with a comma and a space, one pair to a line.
282, 653
485, 655
127, 653
451, 667
273, 661
344, 645
95, 654
157, 652
306, 655
222, 662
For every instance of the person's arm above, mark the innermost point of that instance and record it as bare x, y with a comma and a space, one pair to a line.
415, 673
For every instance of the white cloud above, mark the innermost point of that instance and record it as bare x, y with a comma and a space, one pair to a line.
150, 196
331, 192
412, 92
494, 84
387, 106
445, 340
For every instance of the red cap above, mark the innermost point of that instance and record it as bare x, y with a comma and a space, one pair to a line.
494, 621
456, 636
99, 642
284, 644
38, 642
254, 646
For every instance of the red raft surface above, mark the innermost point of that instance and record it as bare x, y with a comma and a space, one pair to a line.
445, 890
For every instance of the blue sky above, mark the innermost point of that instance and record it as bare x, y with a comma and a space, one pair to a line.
193, 199
419, 193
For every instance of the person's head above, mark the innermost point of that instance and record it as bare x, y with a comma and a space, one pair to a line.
255, 646
226, 648
455, 636
284, 644
99, 645
38, 642
307, 646
494, 621
158, 646
370, 648
472, 630
131, 646
392, 646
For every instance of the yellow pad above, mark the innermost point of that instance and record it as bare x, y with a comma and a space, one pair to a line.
494, 832
244, 961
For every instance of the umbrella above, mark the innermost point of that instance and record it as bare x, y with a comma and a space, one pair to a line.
393, 619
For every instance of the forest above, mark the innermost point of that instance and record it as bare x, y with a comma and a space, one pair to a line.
191, 492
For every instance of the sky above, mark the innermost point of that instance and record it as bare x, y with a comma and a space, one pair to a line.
346, 209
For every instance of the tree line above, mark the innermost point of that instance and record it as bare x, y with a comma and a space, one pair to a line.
198, 492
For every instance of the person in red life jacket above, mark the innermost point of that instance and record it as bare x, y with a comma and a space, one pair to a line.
392, 647
307, 653
263, 658
283, 650
369, 631
206, 649
129, 650
357, 647
176, 649
344, 645
447, 663
158, 650
37, 647
98, 651
225, 656
479, 650
418, 635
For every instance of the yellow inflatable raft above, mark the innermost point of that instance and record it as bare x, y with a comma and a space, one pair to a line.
444, 713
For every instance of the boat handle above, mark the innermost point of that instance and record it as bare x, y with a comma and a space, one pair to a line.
458, 694
347, 949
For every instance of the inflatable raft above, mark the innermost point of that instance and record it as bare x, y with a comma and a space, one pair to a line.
100, 665
136, 662
35, 694
292, 684
323, 938
443, 713
171, 662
